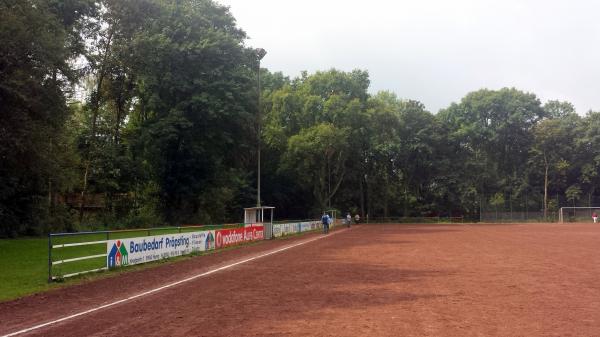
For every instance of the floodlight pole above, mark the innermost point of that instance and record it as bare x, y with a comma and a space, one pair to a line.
260, 53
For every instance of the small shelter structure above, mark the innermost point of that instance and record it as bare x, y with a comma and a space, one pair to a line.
260, 215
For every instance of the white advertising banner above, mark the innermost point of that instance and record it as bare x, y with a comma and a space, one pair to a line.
138, 250
309, 225
283, 229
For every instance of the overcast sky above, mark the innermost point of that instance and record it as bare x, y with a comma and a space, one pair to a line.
436, 51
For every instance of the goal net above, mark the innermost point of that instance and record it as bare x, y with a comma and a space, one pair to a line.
577, 214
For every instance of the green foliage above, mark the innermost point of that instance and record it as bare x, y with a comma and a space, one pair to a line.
558, 109
573, 193
316, 156
491, 135
551, 152
194, 105
168, 129
38, 39
497, 200
311, 126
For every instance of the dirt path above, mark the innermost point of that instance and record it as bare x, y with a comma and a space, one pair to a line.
383, 280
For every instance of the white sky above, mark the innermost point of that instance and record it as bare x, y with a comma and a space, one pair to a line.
436, 51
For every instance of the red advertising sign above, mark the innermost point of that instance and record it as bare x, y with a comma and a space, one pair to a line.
231, 237
255, 232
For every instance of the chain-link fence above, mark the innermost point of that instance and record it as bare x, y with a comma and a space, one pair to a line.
530, 208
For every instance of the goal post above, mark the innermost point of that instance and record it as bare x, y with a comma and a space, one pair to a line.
577, 214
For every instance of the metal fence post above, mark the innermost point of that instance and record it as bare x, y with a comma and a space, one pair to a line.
49, 257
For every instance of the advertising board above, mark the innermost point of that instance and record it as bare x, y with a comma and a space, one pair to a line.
138, 250
283, 229
231, 237
309, 226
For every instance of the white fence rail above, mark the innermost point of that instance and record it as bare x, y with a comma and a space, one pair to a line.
72, 254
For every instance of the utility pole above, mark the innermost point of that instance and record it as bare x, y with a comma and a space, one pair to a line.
260, 53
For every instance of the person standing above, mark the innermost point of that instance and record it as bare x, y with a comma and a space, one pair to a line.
595, 217
356, 218
325, 221
348, 220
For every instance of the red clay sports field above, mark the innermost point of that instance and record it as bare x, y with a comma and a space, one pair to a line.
371, 280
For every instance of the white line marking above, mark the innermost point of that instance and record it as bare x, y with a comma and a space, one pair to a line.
159, 288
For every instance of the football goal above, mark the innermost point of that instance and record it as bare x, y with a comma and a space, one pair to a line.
577, 214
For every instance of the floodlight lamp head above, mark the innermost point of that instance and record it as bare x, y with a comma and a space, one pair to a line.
260, 53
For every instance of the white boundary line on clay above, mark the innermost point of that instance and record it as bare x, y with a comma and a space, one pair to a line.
170, 285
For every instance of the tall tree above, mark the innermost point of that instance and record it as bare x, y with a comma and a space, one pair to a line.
587, 150
106, 166
194, 87
493, 132
558, 109
317, 158
333, 98
38, 41
552, 151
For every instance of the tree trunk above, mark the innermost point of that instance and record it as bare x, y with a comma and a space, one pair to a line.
405, 201
336, 187
385, 195
116, 136
95, 107
546, 188
385, 205
526, 207
362, 198
369, 191
50, 194
510, 203
328, 182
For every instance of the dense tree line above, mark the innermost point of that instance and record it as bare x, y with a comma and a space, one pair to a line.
144, 112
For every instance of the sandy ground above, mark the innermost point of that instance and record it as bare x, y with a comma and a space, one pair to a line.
370, 280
